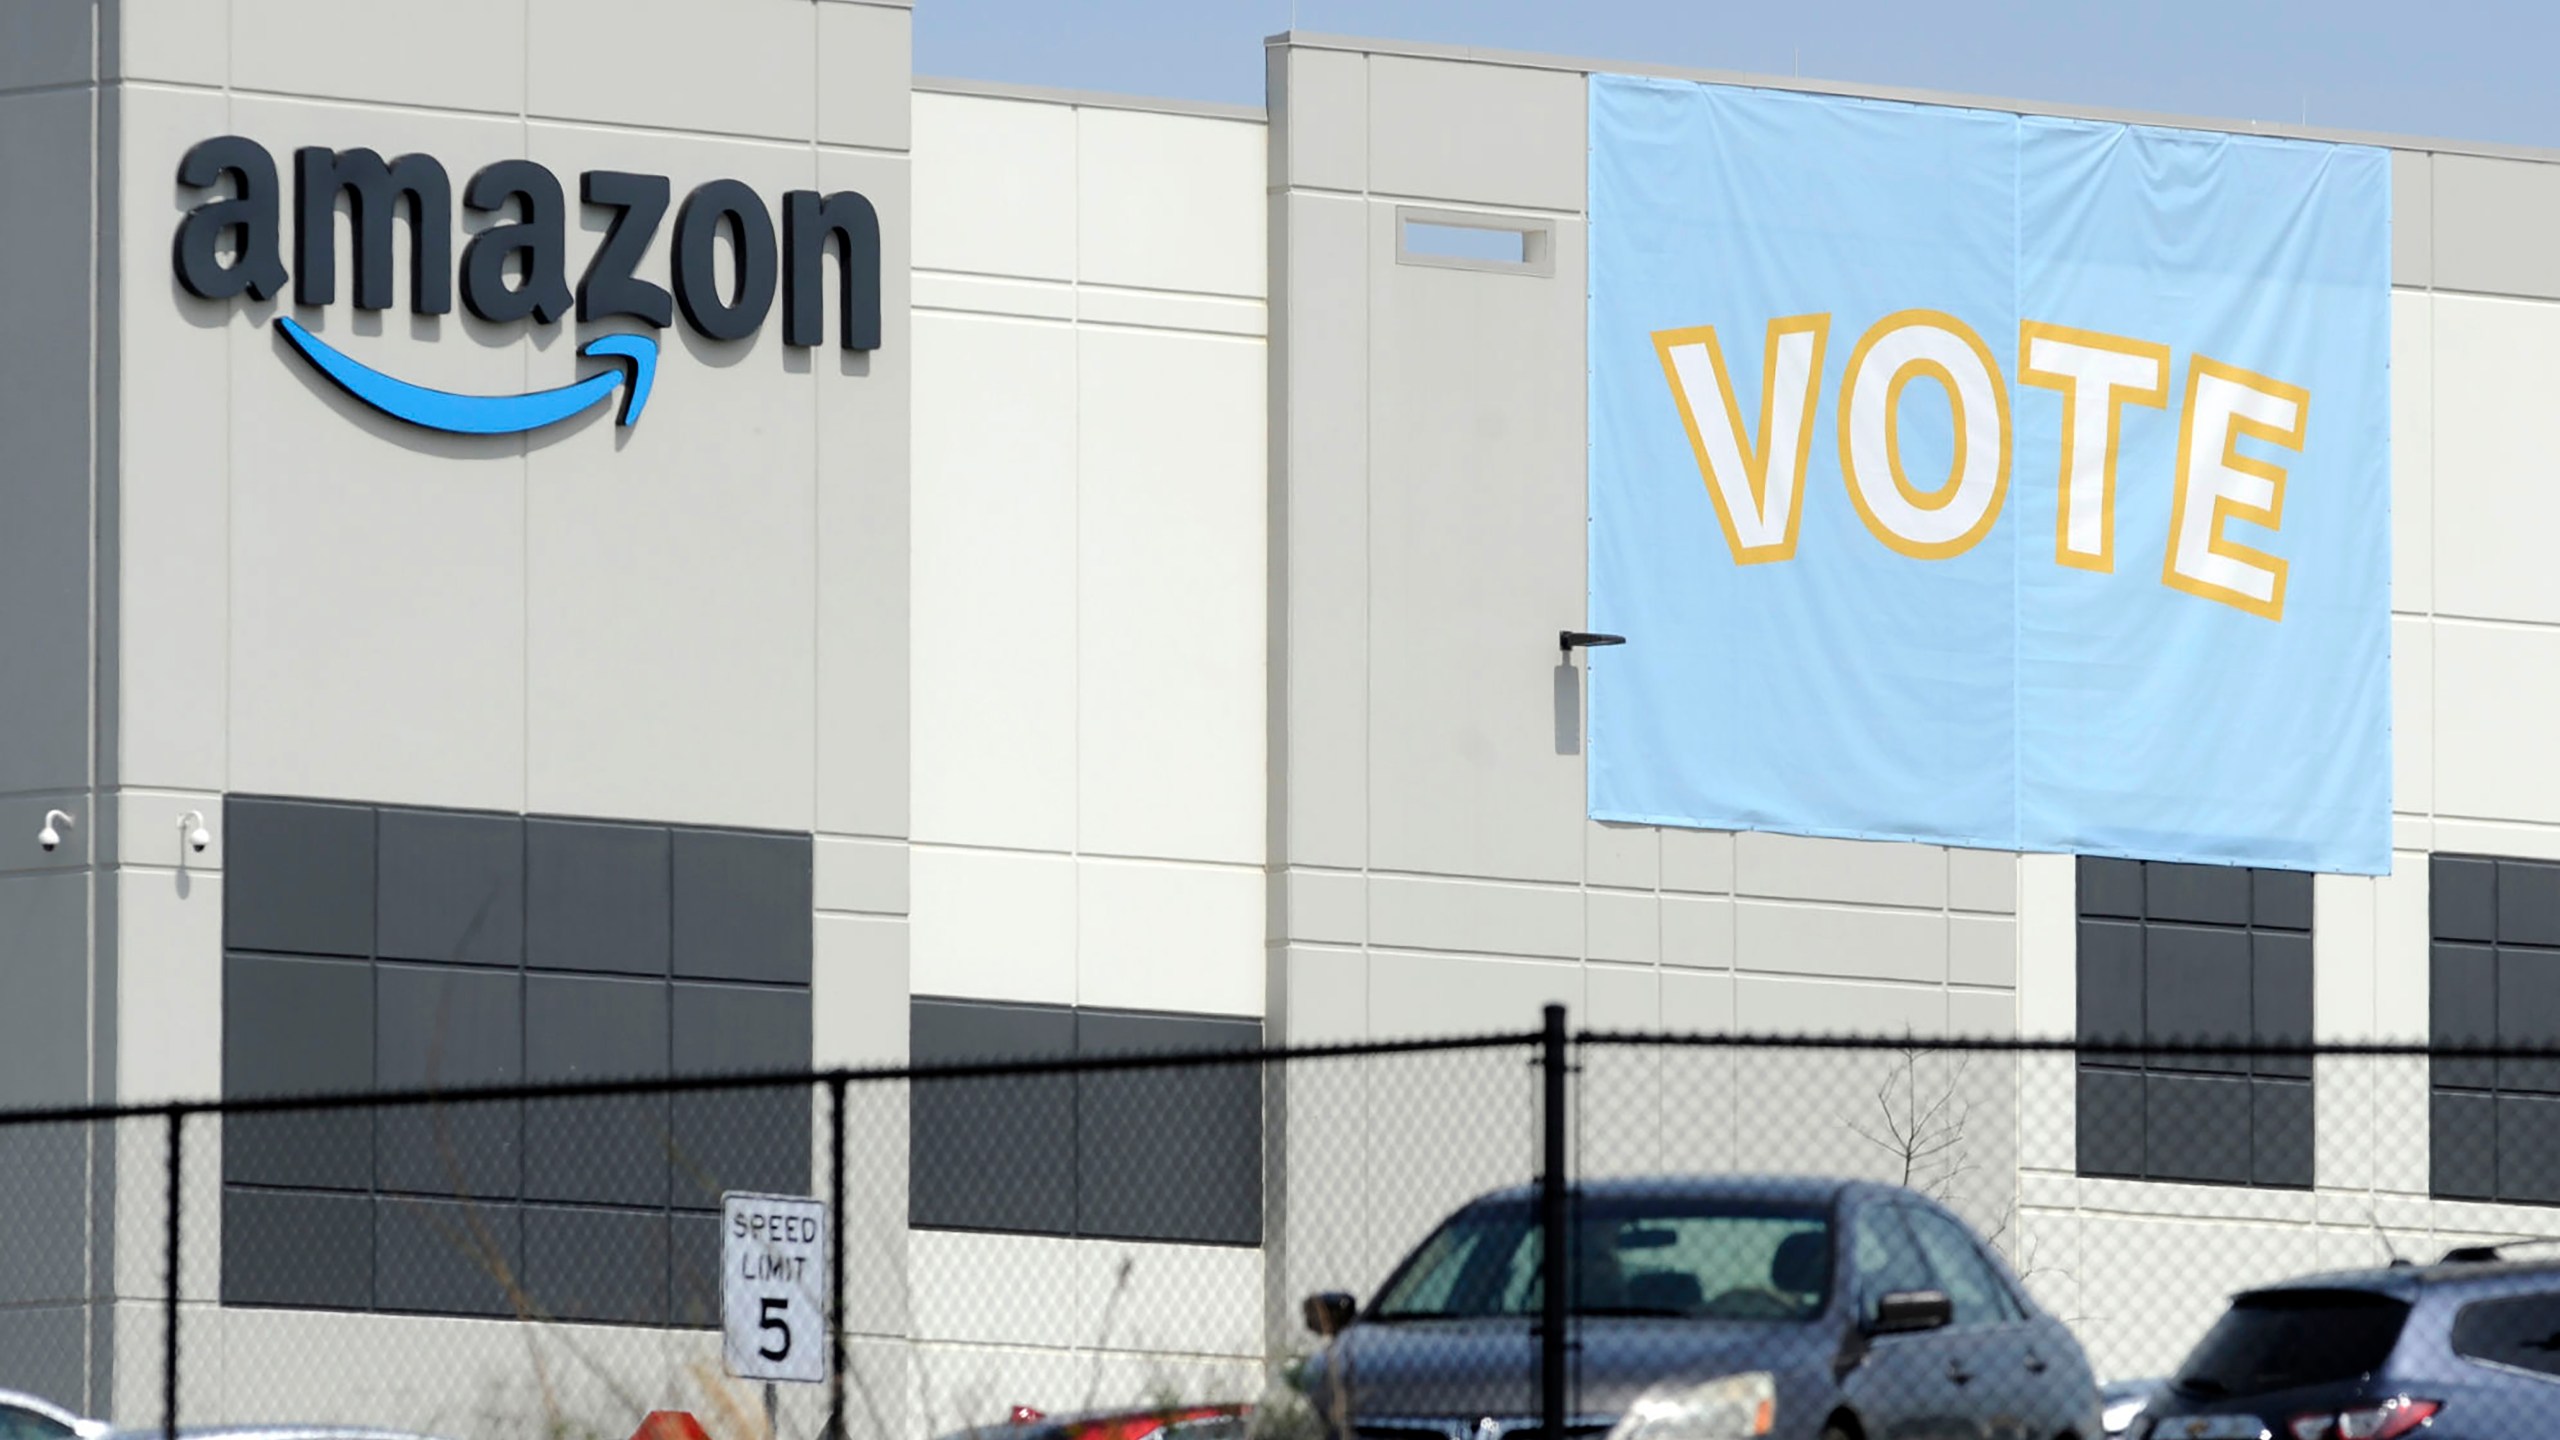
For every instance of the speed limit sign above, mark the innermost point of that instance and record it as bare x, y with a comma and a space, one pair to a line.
773, 1286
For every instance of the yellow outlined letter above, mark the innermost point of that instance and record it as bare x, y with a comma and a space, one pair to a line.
1950, 520
2098, 376
2217, 482
1759, 517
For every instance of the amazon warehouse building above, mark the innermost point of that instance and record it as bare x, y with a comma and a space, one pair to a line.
592, 537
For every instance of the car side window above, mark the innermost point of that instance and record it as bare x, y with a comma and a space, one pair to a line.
17, 1424
1884, 1258
1971, 1284
2521, 1332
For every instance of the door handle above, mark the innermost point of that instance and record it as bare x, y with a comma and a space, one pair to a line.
2036, 1363
1959, 1374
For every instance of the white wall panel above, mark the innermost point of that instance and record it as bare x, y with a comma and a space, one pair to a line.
1170, 596
993, 925
1412, 994
2413, 714
1153, 936
2497, 447
2496, 687
2413, 449
466, 60
995, 186
168, 985
1853, 942
751, 70
994, 677
1170, 202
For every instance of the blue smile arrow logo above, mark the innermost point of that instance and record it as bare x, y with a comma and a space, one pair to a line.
637, 357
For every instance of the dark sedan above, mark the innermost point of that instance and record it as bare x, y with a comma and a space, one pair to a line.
1706, 1308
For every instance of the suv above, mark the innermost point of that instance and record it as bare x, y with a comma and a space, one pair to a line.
1727, 1306
2464, 1349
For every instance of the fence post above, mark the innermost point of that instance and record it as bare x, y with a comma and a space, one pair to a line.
835, 1257
1552, 1277
169, 1295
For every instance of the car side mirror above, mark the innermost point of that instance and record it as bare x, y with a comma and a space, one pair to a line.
1328, 1312
1906, 1310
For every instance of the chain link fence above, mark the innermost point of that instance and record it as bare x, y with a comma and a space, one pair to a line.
1540, 1234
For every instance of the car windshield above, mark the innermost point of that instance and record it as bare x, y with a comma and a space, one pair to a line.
2282, 1339
1659, 1256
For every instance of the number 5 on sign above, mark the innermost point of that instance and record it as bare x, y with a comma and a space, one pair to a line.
773, 1287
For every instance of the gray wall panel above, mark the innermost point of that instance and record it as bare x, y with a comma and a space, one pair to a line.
604, 1265
2413, 218
2529, 1015
596, 897
2110, 990
740, 1139
2462, 1145
2196, 988
2196, 1127
693, 1269
742, 906
2528, 903
298, 877
438, 1026
609, 1150
2493, 223
2462, 1009
1169, 1154
2529, 1149
293, 1026
2213, 894
45, 1212
2280, 899
2109, 1116
452, 888
446, 1257
2462, 898
2280, 999
991, 1154
282, 1248
2280, 1133
2110, 887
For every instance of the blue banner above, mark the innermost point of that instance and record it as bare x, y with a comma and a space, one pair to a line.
1989, 479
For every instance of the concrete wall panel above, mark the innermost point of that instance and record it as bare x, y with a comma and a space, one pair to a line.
1201, 236
995, 186
2494, 436
1480, 134
467, 60
2487, 215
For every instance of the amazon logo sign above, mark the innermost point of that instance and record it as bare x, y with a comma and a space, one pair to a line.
232, 243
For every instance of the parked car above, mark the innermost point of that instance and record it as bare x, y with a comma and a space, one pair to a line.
26, 1417
1706, 1307
2464, 1349
2121, 1402
1157, 1422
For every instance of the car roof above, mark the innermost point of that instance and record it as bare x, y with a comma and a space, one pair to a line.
1769, 1189
2407, 1281
272, 1432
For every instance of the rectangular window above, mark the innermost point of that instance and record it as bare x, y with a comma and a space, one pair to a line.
1154, 1154
388, 948
1475, 240
2202, 954
2494, 979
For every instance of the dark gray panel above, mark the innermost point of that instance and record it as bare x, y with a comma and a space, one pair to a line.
297, 1027
2462, 1146
297, 876
2212, 894
693, 1270
2529, 1149
452, 888
2528, 902
2280, 1000
446, 1257
2110, 887
2196, 989
2110, 1123
603, 1265
1169, 1154
609, 1150
741, 1139
2462, 898
2462, 1009
44, 1209
2281, 899
444, 1026
2110, 998
305, 1250
995, 1153
2197, 1128
2529, 1017
742, 906
2280, 1133
595, 897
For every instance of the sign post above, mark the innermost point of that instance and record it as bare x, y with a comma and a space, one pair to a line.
773, 1279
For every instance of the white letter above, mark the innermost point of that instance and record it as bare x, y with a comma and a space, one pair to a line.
2098, 376
2216, 482
1951, 519
1756, 500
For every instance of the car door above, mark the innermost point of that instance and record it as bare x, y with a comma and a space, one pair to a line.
1991, 1356
1903, 1387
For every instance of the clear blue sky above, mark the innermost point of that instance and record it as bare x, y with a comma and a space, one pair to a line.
2459, 69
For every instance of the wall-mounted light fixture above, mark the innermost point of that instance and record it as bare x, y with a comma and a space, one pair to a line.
50, 837
191, 825
1570, 640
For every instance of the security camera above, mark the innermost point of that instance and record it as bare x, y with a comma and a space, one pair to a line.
198, 837
50, 837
